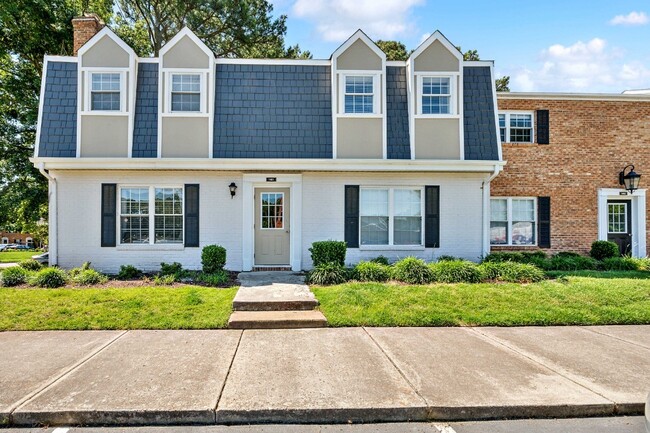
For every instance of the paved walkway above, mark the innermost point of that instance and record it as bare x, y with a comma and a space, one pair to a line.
7, 265
321, 375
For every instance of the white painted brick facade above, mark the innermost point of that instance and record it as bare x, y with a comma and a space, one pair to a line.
79, 223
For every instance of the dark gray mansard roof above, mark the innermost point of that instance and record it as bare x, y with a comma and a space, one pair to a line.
267, 111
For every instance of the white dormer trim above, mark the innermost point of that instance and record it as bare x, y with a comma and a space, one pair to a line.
457, 97
127, 81
208, 89
379, 84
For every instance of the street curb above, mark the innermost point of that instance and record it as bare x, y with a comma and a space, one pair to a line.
113, 418
322, 416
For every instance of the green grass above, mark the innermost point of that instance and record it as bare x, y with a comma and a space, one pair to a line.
643, 275
187, 307
567, 301
16, 256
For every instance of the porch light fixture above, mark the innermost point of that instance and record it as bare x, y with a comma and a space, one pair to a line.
233, 189
630, 180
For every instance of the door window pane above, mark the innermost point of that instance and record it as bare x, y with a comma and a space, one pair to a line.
272, 210
617, 217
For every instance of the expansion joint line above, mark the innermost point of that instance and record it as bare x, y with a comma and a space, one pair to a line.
225, 380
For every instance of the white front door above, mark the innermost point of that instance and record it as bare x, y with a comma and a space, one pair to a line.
272, 226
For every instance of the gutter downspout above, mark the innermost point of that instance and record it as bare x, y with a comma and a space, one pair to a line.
486, 205
52, 215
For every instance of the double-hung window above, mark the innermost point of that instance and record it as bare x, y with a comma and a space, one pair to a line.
359, 94
185, 93
436, 95
138, 205
105, 91
513, 221
390, 216
516, 127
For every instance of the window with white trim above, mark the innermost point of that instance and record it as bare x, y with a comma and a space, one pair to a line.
436, 95
139, 204
513, 221
516, 127
105, 91
359, 94
185, 93
391, 216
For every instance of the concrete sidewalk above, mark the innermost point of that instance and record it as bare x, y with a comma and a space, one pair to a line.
321, 375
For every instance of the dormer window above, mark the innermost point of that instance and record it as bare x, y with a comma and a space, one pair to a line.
105, 91
186, 92
437, 95
359, 94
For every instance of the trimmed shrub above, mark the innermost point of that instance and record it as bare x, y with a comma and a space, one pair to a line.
49, 278
215, 279
89, 277
504, 256
30, 265
213, 258
566, 262
456, 271
511, 272
327, 274
175, 269
372, 271
164, 280
447, 258
13, 276
601, 250
323, 252
622, 264
128, 272
412, 270
381, 260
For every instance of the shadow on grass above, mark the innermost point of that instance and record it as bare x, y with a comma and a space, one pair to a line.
638, 275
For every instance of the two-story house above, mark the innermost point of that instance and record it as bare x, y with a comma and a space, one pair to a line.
150, 159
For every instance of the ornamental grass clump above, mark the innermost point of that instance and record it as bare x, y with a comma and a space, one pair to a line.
89, 277
327, 274
412, 270
13, 276
372, 272
49, 278
511, 272
622, 264
456, 271
30, 265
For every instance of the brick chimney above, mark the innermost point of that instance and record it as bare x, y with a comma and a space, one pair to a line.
84, 28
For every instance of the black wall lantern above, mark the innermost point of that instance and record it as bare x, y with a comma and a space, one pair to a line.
630, 180
233, 189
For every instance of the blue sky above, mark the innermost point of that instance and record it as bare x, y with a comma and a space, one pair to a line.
552, 46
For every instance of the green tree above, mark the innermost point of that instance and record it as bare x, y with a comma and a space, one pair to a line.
231, 28
394, 50
503, 84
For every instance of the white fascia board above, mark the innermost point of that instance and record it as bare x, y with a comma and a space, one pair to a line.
574, 96
478, 63
69, 59
39, 119
147, 59
401, 63
237, 164
293, 62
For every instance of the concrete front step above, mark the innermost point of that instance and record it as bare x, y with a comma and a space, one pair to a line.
274, 297
276, 319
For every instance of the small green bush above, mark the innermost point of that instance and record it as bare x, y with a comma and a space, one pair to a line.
511, 272
323, 252
447, 258
601, 250
13, 276
568, 254
381, 260
164, 280
49, 278
622, 264
643, 263
504, 256
566, 262
412, 270
89, 277
72, 273
372, 271
456, 271
175, 269
213, 258
327, 274
128, 272
215, 279
30, 265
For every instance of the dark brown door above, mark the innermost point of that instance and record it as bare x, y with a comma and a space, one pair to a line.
619, 224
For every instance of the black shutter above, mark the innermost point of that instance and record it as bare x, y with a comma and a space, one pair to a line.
352, 215
544, 222
191, 215
109, 214
431, 216
542, 127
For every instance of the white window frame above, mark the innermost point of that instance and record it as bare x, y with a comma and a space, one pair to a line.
151, 215
391, 218
376, 93
88, 73
532, 126
203, 108
284, 218
510, 221
453, 89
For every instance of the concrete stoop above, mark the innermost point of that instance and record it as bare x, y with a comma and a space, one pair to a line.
274, 300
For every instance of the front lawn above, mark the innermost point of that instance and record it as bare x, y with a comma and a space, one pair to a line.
569, 300
16, 256
185, 307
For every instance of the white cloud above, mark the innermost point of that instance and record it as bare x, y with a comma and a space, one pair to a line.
336, 20
631, 19
582, 67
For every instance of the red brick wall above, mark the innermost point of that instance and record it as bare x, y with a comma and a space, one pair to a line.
590, 142
16, 238
84, 28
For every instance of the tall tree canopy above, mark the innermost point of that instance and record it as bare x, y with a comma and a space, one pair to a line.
394, 50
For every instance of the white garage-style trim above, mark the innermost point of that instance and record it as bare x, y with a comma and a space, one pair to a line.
637, 201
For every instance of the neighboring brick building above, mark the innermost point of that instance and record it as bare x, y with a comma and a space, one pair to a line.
591, 138
16, 238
